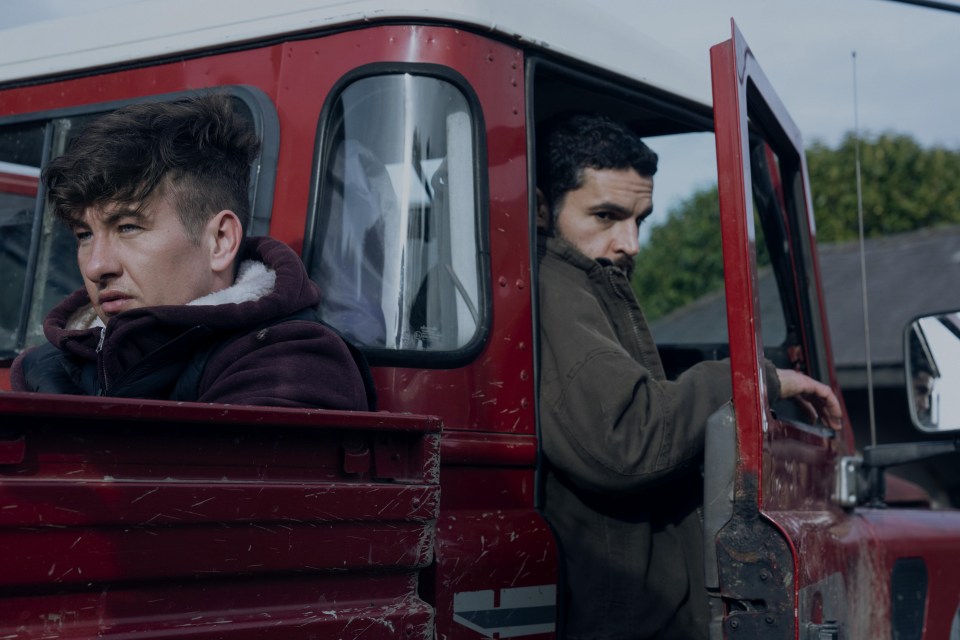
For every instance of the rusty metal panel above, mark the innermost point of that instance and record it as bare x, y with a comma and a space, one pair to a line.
257, 524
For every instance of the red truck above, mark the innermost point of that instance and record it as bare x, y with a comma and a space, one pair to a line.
398, 159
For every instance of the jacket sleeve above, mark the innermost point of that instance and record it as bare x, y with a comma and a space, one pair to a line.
608, 425
606, 422
291, 364
18, 381
40, 369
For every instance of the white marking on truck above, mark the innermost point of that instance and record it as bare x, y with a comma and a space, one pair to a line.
522, 611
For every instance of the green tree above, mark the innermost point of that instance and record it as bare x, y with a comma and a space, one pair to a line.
682, 259
905, 187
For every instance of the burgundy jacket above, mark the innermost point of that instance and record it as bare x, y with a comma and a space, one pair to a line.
252, 351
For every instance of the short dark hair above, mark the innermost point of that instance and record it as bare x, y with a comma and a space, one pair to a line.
197, 150
572, 143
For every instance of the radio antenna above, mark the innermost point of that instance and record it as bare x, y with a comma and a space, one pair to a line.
863, 259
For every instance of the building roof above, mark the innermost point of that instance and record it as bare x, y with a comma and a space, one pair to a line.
908, 275
146, 29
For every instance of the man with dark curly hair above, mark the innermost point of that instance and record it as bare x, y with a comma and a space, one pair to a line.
176, 303
623, 443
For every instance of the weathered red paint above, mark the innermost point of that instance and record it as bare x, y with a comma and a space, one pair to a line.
486, 405
149, 518
739, 263
209, 509
843, 559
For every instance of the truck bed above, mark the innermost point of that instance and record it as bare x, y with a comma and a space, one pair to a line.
130, 518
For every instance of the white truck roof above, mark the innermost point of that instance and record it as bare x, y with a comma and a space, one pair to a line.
144, 29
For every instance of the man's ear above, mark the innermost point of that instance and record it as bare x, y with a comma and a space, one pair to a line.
224, 234
544, 216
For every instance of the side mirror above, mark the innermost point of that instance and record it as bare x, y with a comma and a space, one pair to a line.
931, 349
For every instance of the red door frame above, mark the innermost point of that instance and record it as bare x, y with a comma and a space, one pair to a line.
842, 560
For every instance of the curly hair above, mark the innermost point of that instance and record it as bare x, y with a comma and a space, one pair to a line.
197, 151
587, 141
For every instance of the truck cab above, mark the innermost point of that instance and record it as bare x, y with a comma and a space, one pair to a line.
398, 158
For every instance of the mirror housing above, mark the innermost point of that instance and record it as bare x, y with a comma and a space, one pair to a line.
931, 356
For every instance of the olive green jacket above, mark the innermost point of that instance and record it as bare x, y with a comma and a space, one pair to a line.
624, 449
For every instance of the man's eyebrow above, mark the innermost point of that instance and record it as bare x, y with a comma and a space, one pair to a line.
620, 210
612, 207
123, 212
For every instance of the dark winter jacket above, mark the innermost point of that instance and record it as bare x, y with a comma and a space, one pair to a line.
624, 447
253, 354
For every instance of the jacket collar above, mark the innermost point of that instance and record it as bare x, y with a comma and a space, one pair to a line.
569, 254
254, 280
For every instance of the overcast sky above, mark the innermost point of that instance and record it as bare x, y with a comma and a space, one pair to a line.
908, 62
908, 66
908, 57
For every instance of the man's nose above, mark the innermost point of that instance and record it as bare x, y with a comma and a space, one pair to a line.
98, 259
627, 240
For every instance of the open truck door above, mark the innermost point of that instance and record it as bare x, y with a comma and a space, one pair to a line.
790, 553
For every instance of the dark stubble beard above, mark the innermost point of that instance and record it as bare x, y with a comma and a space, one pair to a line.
626, 264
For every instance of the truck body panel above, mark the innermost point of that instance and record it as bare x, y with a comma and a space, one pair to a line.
154, 519
837, 568
134, 517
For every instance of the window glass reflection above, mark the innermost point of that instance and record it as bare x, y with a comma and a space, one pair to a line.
396, 252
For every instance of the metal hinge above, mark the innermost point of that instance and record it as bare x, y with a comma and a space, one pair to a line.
826, 631
848, 481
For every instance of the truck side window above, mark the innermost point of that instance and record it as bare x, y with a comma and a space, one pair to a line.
395, 244
700, 317
21, 149
37, 254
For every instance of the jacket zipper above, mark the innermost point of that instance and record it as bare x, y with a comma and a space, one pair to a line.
100, 366
610, 278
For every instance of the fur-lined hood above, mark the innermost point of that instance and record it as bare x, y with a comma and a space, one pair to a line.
254, 280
